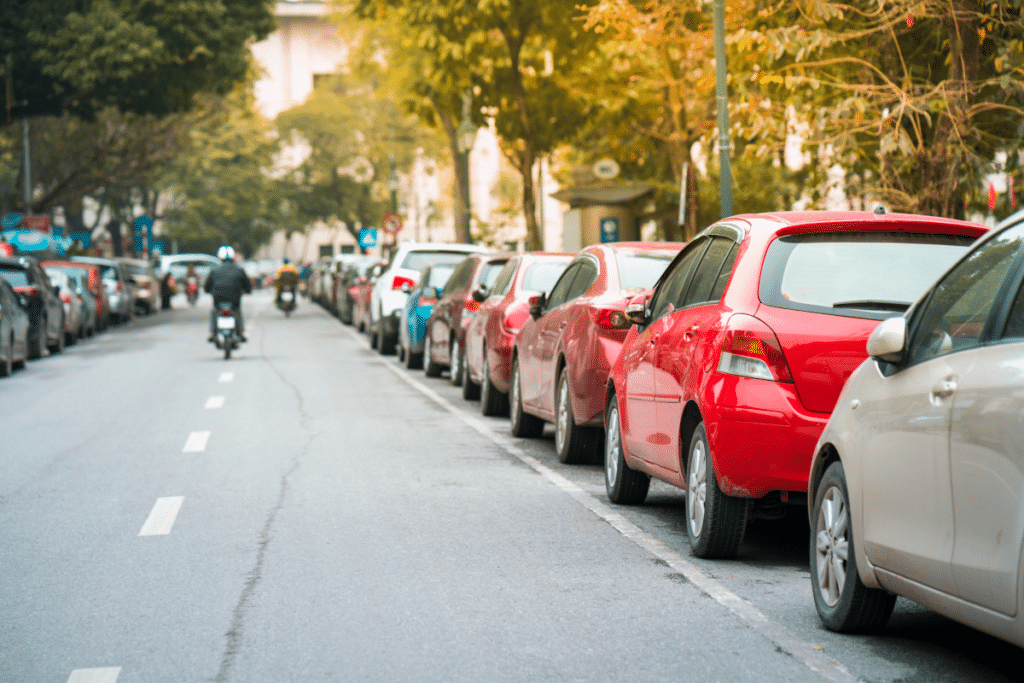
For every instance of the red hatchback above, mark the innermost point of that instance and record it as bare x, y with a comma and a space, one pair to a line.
492, 332
562, 355
738, 357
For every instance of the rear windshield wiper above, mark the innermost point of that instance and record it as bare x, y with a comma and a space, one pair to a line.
875, 305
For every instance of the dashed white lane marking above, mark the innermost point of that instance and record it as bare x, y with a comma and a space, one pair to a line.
102, 675
214, 402
813, 659
161, 517
196, 442
226, 377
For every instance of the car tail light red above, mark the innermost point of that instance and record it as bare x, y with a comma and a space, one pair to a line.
610, 318
226, 313
471, 305
751, 349
119, 287
426, 298
66, 298
400, 280
27, 290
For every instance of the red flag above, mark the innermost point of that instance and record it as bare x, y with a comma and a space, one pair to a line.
991, 195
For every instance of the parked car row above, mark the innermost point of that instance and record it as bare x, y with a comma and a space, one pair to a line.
46, 305
819, 361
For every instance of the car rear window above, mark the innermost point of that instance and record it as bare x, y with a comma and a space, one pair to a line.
859, 275
439, 276
135, 269
418, 260
641, 271
15, 276
541, 277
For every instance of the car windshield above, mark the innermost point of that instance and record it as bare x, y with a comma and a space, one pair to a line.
418, 260
541, 277
868, 275
16, 276
439, 276
641, 271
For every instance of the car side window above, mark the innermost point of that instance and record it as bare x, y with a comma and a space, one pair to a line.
953, 318
560, 292
504, 279
706, 276
670, 291
584, 279
460, 278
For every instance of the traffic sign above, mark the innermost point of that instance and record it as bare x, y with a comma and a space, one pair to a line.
367, 238
392, 223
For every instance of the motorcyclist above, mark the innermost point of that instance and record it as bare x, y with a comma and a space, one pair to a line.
227, 282
192, 283
287, 276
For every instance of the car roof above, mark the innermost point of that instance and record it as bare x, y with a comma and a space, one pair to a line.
779, 222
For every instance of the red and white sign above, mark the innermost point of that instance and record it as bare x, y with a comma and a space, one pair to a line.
40, 223
392, 223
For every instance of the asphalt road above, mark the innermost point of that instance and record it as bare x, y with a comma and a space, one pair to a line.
311, 511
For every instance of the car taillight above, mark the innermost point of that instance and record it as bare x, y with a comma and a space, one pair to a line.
226, 313
27, 290
400, 280
118, 288
514, 318
147, 285
609, 318
751, 349
66, 298
426, 300
471, 305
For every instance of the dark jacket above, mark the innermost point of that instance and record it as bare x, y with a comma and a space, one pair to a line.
227, 282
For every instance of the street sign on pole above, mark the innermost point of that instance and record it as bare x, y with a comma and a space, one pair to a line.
392, 223
367, 238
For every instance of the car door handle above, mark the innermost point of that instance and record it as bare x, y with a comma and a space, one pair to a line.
944, 389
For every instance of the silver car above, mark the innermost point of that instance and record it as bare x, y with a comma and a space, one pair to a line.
916, 487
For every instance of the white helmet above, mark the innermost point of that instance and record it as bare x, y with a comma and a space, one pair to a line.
226, 253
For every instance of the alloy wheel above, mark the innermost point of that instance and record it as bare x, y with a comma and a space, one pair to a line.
612, 447
832, 545
696, 489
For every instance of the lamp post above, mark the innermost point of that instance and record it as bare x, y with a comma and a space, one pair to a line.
465, 136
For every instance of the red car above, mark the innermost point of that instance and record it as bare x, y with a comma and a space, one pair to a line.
95, 286
738, 357
492, 333
563, 353
362, 293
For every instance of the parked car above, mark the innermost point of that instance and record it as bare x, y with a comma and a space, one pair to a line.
39, 298
91, 282
916, 481
118, 285
456, 305
735, 362
351, 277
14, 326
491, 335
66, 289
562, 355
416, 312
404, 266
145, 284
364, 296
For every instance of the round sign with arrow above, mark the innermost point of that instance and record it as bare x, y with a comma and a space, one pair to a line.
392, 223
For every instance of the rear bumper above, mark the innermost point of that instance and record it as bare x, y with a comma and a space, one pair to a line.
500, 361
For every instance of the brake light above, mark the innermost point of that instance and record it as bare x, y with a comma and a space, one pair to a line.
147, 285
609, 318
471, 305
119, 287
400, 280
353, 291
27, 290
226, 313
751, 349
66, 298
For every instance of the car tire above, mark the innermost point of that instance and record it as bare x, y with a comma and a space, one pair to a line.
413, 361
470, 389
7, 365
374, 331
715, 522
386, 345
39, 349
430, 368
400, 352
58, 345
493, 403
843, 602
574, 445
522, 423
455, 362
624, 486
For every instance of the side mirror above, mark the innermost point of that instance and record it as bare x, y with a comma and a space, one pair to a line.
636, 310
536, 303
887, 341
479, 294
406, 287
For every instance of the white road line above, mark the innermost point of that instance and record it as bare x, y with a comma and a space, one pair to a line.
104, 675
196, 442
226, 377
214, 402
813, 659
161, 517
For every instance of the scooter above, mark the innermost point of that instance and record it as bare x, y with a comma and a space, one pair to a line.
286, 301
192, 290
227, 337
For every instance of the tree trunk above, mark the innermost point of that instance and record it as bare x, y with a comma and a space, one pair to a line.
462, 226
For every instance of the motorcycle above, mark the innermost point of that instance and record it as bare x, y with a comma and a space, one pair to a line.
286, 301
227, 337
192, 290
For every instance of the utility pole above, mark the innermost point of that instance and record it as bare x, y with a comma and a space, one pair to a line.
722, 96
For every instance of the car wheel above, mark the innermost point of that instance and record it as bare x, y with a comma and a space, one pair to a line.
430, 368
455, 362
374, 335
715, 522
625, 486
385, 344
522, 423
492, 401
573, 444
58, 345
843, 602
7, 366
470, 389
400, 352
413, 361
39, 349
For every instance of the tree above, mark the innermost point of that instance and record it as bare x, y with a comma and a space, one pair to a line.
154, 57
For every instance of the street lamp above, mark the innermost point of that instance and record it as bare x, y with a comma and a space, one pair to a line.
465, 136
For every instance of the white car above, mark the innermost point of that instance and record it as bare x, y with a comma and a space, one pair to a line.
917, 480
398, 278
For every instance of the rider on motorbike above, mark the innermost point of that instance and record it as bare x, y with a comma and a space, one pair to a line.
192, 283
227, 282
287, 277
